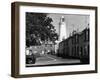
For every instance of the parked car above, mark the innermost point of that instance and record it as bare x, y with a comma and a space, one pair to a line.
30, 57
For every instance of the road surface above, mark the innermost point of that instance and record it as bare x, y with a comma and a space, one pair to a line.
47, 59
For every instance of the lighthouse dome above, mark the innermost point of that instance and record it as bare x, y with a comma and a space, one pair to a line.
62, 19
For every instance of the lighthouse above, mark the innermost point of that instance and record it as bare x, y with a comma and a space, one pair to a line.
62, 29
62, 32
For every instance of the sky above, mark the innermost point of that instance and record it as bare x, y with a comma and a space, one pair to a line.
72, 21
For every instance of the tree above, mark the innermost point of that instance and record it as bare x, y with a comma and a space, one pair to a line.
39, 28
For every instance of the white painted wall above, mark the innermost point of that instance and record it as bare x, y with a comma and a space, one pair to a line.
5, 41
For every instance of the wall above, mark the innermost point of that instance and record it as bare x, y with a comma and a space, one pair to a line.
5, 40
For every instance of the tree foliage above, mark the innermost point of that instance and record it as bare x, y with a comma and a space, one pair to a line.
39, 28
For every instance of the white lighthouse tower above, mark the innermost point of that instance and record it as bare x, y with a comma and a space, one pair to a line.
62, 29
62, 32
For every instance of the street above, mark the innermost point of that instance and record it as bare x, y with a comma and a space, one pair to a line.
48, 59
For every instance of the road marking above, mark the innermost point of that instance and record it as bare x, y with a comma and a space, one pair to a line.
50, 57
55, 59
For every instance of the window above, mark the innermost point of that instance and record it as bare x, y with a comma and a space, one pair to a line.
87, 35
50, 45
77, 50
